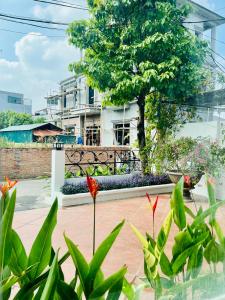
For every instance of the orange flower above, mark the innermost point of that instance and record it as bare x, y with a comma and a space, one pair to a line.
153, 206
211, 181
187, 180
8, 185
93, 187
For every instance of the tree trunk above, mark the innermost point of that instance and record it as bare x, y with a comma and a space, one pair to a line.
141, 131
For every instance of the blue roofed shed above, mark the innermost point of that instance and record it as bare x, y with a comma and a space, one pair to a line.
43, 132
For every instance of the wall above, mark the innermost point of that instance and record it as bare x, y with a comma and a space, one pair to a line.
17, 163
24, 163
200, 129
113, 115
5, 105
22, 136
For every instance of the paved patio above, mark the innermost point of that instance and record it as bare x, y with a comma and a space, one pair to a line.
76, 222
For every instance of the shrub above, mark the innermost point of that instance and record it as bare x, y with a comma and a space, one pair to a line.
113, 183
38, 273
197, 243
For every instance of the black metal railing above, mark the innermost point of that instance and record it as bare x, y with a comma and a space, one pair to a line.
113, 161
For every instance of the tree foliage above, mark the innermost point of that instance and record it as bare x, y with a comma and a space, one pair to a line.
140, 50
11, 118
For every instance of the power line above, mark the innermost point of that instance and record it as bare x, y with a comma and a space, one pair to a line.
32, 19
32, 33
34, 25
68, 3
61, 4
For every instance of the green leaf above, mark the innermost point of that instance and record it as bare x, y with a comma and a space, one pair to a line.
7, 284
30, 287
52, 280
65, 291
180, 260
40, 253
183, 240
200, 218
5, 231
214, 252
108, 283
195, 262
18, 262
219, 232
189, 212
115, 291
177, 204
165, 264
140, 236
163, 235
80, 263
128, 290
212, 198
100, 254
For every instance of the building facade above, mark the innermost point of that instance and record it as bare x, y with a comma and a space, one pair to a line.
77, 107
16, 102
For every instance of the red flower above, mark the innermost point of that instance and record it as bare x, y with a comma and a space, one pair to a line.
93, 187
8, 185
153, 206
187, 180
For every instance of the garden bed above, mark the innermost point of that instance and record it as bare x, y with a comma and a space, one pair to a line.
117, 187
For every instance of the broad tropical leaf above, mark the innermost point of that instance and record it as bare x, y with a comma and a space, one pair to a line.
163, 235
80, 263
18, 262
5, 231
65, 291
40, 253
52, 281
108, 284
202, 216
100, 254
177, 204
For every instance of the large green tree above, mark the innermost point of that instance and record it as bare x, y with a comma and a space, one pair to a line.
140, 50
11, 118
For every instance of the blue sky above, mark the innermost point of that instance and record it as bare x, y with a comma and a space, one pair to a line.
34, 64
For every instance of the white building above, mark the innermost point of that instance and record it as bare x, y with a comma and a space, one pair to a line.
77, 107
16, 102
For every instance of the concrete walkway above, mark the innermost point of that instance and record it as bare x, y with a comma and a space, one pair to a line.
32, 194
77, 223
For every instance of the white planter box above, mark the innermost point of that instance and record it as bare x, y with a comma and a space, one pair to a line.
119, 194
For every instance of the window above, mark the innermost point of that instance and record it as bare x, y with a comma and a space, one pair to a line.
91, 96
15, 100
122, 133
52, 101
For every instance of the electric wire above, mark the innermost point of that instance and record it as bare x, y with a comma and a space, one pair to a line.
31, 33
63, 5
33, 25
32, 19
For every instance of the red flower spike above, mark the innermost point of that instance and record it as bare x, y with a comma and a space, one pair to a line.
155, 205
187, 180
93, 187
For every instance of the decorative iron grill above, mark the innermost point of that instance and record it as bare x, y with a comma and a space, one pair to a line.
115, 160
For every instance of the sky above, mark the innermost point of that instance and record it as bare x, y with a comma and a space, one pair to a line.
33, 61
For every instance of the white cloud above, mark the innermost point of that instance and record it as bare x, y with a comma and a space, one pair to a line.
59, 13
41, 63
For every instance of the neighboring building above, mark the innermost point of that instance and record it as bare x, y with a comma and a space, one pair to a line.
10, 101
42, 133
77, 107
